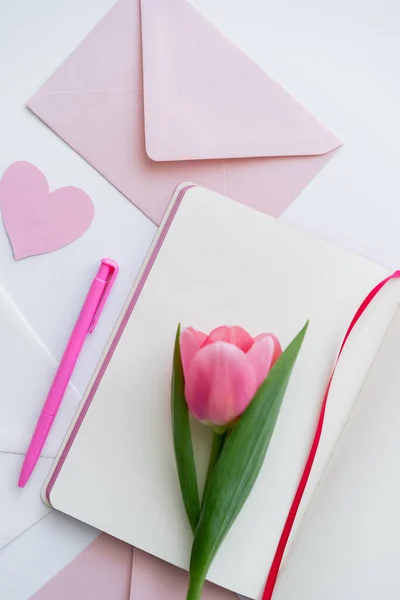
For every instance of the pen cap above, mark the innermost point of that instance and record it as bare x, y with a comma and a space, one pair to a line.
107, 272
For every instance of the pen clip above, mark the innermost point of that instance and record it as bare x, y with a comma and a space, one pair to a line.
111, 276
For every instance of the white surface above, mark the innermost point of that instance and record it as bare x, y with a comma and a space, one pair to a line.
340, 61
35, 557
20, 509
356, 553
128, 484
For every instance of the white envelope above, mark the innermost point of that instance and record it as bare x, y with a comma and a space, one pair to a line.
24, 569
26, 372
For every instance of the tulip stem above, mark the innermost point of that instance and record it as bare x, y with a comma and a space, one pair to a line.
195, 587
216, 449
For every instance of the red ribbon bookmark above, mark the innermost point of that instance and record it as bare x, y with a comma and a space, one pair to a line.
276, 563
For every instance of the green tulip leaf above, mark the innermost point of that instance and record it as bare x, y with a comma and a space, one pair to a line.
238, 466
182, 437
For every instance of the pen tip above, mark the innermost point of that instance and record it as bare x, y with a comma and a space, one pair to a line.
22, 480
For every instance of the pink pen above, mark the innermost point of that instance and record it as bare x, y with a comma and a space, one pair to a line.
87, 320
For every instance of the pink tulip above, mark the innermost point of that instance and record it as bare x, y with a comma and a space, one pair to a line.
224, 370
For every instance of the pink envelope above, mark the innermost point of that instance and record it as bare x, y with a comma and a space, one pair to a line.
156, 95
109, 569
102, 572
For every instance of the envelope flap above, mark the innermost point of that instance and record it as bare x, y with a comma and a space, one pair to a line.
21, 397
205, 98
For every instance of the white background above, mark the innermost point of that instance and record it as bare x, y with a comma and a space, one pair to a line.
339, 58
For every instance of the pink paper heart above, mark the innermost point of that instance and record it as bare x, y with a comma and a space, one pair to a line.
36, 220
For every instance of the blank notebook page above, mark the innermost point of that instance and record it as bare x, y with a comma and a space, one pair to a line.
348, 546
221, 263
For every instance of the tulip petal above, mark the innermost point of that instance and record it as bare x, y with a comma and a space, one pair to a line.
263, 354
233, 335
220, 383
190, 343
201, 337
277, 345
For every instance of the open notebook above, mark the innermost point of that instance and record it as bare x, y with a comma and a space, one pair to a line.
215, 262
347, 546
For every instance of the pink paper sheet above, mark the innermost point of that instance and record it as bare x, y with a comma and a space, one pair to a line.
109, 569
138, 88
102, 572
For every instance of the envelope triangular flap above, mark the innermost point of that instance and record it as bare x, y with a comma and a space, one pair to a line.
205, 98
